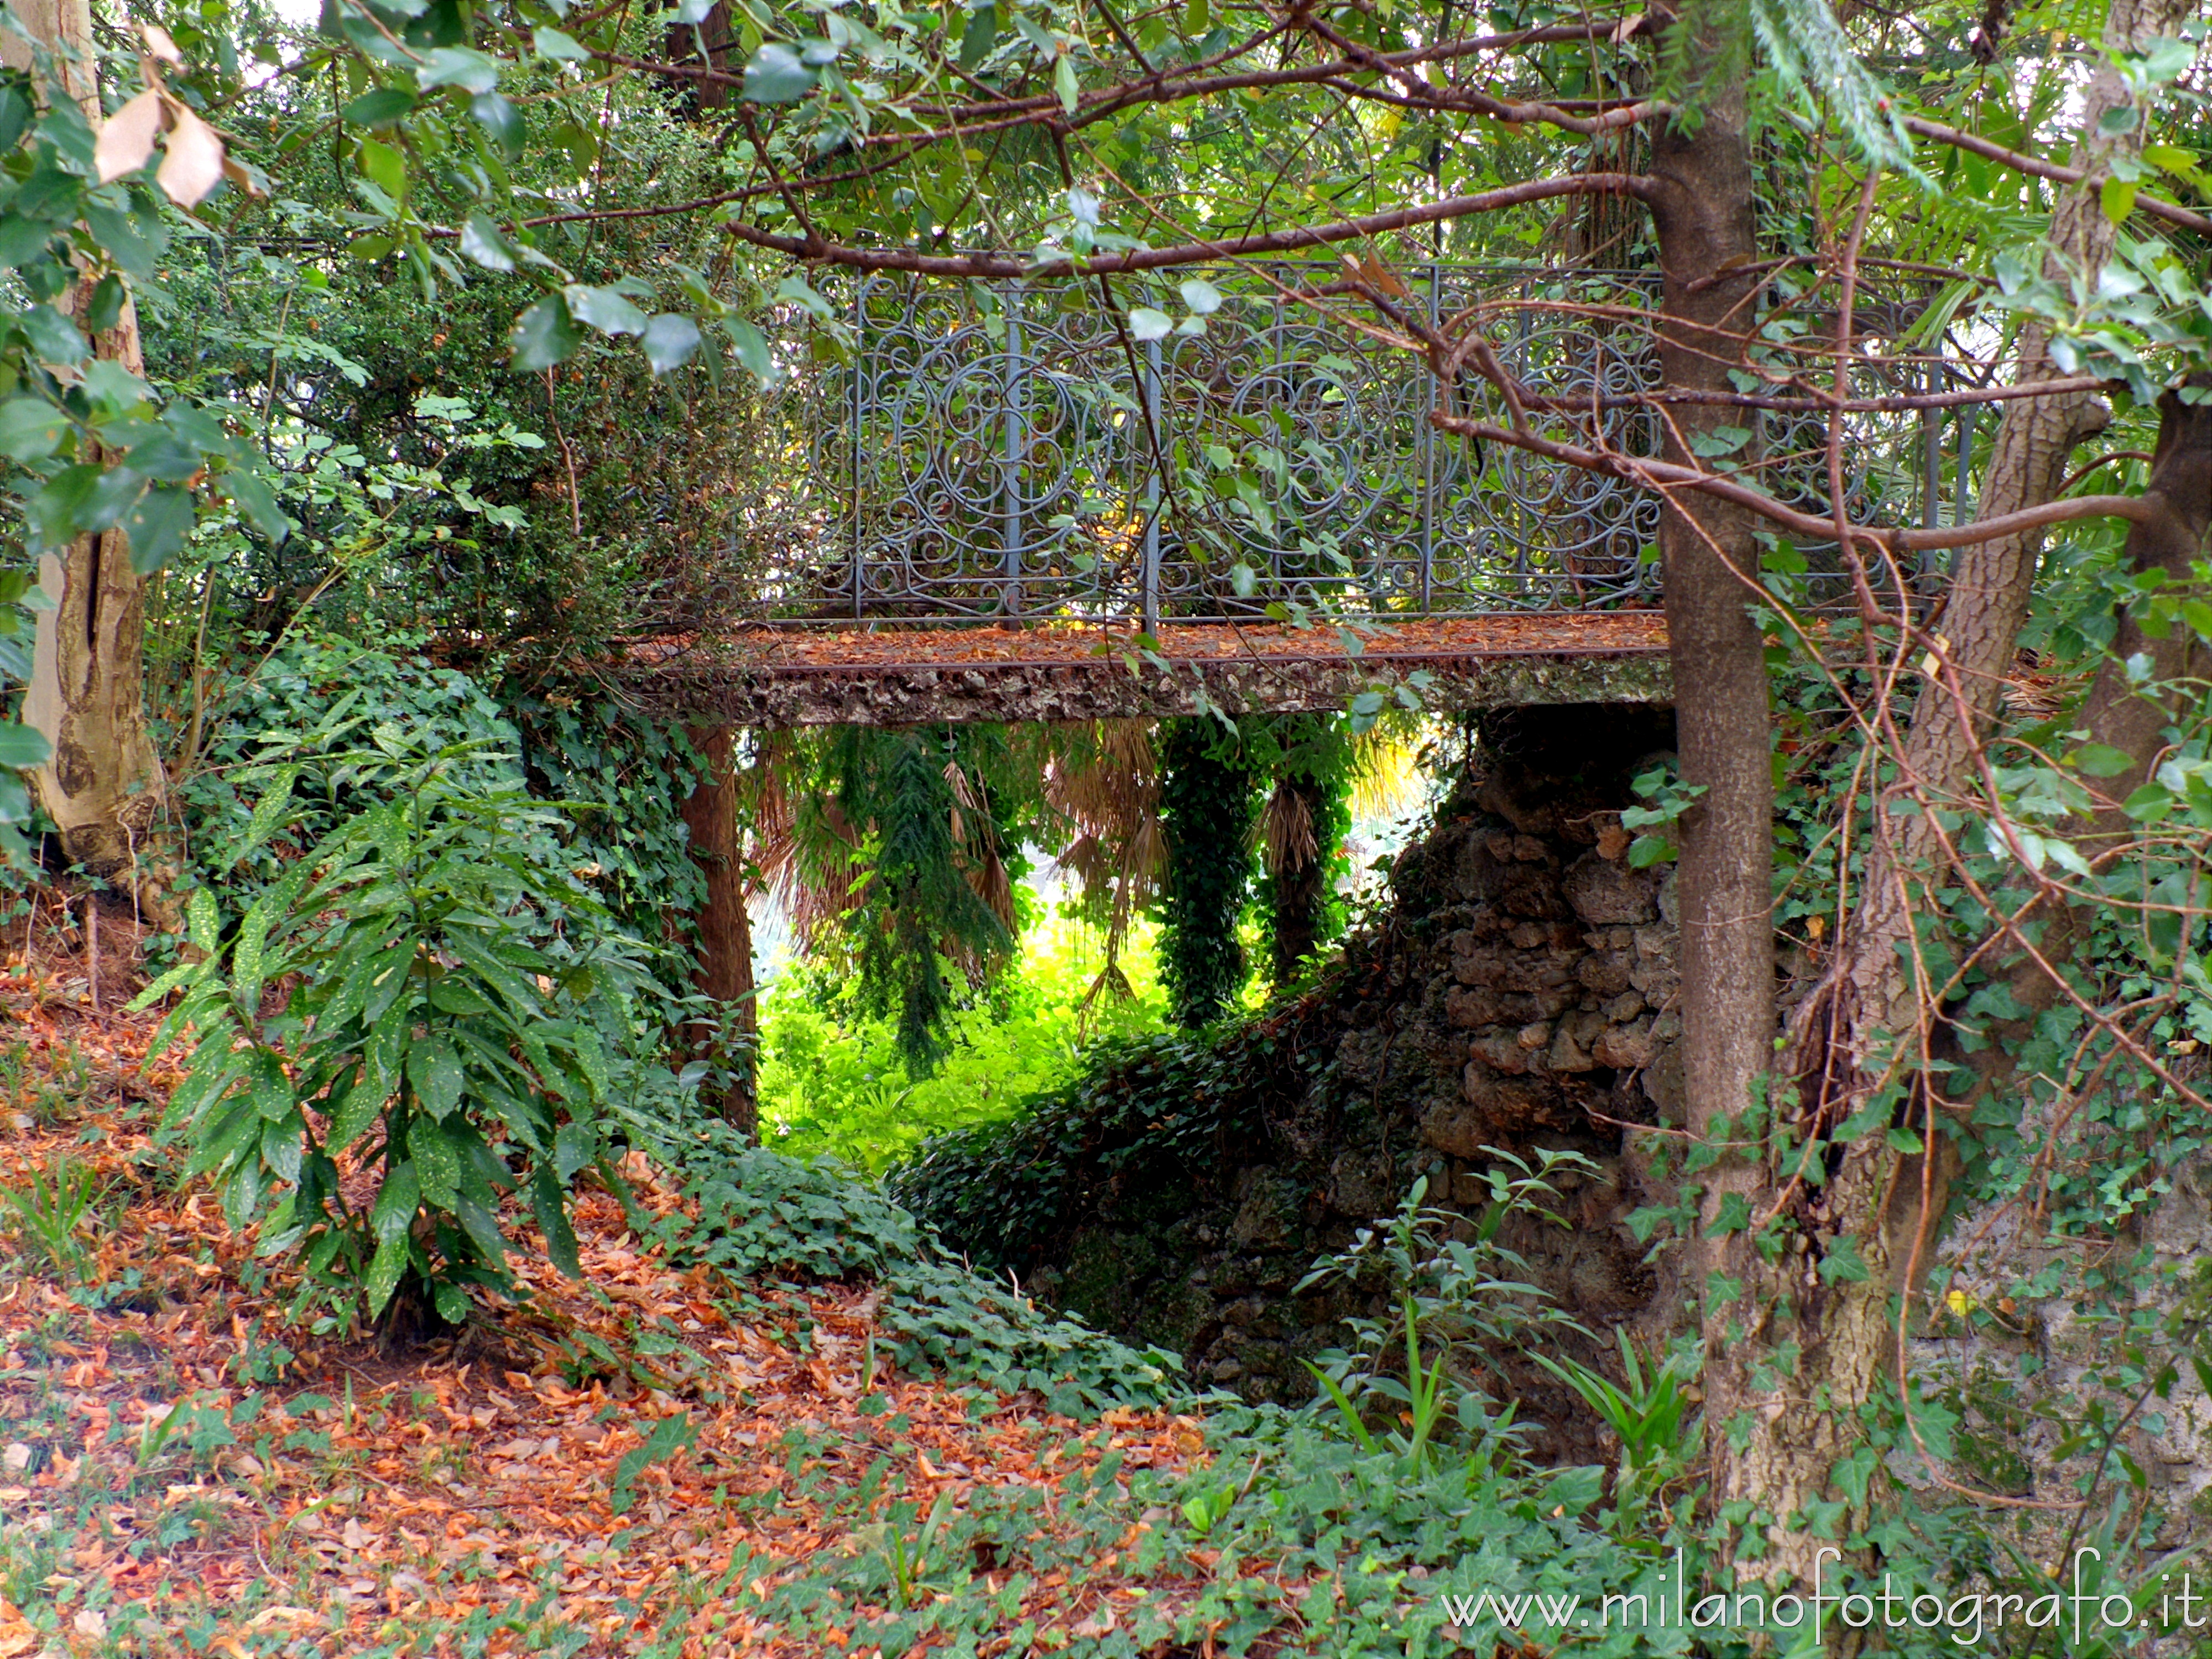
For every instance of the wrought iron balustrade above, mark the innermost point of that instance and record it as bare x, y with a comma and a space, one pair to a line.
1009, 451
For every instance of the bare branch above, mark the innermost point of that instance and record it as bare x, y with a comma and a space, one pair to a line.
814, 250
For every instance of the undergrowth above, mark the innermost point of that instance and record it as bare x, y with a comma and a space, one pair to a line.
747, 1213
831, 1080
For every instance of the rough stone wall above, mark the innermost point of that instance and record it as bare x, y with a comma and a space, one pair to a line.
1519, 992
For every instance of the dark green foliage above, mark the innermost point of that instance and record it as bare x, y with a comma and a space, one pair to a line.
1206, 816
319, 697
631, 507
929, 840
1152, 1116
1297, 904
443, 983
620, 775
626, 776
759, 1213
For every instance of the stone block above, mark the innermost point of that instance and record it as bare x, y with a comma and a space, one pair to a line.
1623, 1047
1604, 893
1603, 972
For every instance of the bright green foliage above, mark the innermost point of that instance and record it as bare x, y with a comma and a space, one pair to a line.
436, 1030
1206, 815
617, 773
1457, 1312
319, 695
831, 1081
52, 1213
1649, 1411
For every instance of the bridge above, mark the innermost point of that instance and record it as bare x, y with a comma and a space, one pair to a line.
1007, 501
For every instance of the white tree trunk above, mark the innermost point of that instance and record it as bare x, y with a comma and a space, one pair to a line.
103, 784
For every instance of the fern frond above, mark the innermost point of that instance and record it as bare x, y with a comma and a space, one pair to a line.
1815, 62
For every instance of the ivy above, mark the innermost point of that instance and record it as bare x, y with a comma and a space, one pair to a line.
1206, 815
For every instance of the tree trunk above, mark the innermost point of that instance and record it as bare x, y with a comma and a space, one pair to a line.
1701, 185
103, 784
1867, 1234
725, 972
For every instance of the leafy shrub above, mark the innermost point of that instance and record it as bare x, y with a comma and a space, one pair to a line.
748, 1212
435, 970
314, 703
1455, 1309
834, 1081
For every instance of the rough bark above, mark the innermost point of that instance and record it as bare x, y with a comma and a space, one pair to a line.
103, 784
2123, 714
724, 970
2116, 712
1701, 197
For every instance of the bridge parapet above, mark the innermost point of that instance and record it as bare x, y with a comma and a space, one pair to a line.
1217, 448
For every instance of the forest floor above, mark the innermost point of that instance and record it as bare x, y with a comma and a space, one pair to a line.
625, 1464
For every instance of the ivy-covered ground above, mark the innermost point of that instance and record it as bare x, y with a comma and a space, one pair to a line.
679, 1454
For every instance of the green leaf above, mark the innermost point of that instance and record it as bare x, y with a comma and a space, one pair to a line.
383, 167
385, 1269
1147, 324
257, 502
501, 120
776, 76
562, 48
52, 336
21, 746
203, 920
481, 240
2118, 197
604, 309
548, 1204
31, 428
396, 1201
542, 335
752, 349
979, 37
1841, 1263
1065, 83
670, 1436
460, 66
670, 340
352, 1112
2101, 760
1201, 296
435, 1071
113, 389
157, 527
437, 1165
381, 108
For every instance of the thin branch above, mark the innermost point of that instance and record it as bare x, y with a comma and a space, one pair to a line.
2058, 171
816, 251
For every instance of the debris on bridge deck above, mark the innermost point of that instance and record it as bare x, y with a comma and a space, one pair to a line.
910, 672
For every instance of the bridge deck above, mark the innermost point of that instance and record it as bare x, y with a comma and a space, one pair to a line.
903, 673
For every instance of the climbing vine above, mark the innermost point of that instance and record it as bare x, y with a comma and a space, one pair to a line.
1207, 788
1301, 830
